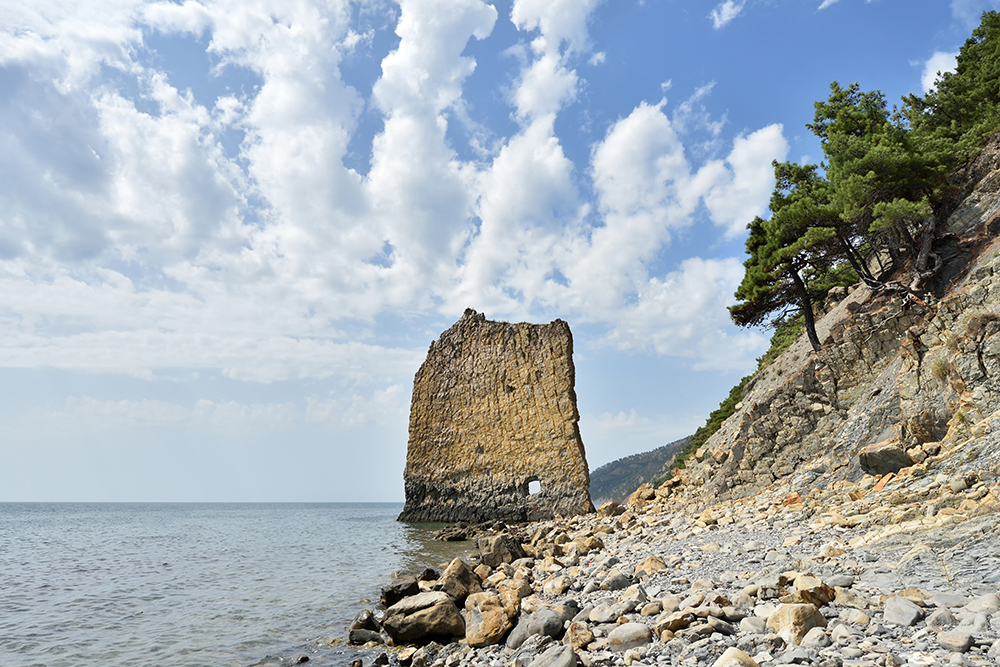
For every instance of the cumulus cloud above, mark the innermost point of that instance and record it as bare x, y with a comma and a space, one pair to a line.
135, 238
684, 314
725, 12
939, 63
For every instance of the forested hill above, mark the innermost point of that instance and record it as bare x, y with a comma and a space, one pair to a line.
618, 479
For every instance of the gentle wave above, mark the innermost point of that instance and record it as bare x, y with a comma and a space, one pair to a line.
194, 584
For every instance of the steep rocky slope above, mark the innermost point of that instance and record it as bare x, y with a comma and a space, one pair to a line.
618, 479
903, 385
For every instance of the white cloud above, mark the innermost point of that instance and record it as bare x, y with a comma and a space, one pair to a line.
741, 189
828, 3
135, 239
939, 63
725, 12
684, 315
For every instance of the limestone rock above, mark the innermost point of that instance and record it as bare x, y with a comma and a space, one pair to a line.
556, 656
459, 581
495, 550
882, 458
733, 657
900, 611
494, 409
430, 614
486, 621
955, 640
402, 586
578, 635
793, 621
629, 635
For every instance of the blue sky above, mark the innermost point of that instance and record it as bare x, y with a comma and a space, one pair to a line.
229, 230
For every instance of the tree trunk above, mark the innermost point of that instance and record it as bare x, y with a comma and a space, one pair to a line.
806, 304
857, 262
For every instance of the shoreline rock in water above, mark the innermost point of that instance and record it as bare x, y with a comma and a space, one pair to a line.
493, 411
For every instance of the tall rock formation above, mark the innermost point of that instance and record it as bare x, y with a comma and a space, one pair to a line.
493, 410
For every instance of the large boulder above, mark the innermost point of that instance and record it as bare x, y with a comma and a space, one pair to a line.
422, 616
495, 550
459, 581
402, 586
881, 458
545, 622
486, 620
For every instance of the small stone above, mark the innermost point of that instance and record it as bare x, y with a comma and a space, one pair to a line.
989, 604
556, 656
816, 638
629, 635
793, 621
578, 635
955, 640
900, 611
615, 581
359, 636
302, 658
753, 625
733, 657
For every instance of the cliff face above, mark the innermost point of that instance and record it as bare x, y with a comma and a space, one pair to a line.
494, 409
901, 385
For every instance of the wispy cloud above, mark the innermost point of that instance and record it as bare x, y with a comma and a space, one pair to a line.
726, 11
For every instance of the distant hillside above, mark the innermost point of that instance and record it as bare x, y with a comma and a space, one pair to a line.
618, 479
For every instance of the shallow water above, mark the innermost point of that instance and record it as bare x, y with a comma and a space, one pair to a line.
195, 584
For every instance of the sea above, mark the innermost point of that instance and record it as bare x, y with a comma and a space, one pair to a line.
190, 585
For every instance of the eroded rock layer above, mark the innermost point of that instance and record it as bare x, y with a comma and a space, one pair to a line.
493, 410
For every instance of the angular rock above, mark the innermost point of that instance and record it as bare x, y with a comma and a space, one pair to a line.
955, 640
494, 409
629, 635
431, 614
733, 657
544, 621
511, 592
358, 636
555, 656
816, 638
495, 550
402, 586
616, 580
365, 620
793, 621
486, 621
459, 581
900, 611
882, 458
650, 565
578, 635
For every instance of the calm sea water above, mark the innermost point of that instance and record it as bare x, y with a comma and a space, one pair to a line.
83, 585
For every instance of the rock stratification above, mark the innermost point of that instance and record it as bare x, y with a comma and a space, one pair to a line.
493, 410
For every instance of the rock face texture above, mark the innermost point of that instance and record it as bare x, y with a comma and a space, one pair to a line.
494, 409
902, 384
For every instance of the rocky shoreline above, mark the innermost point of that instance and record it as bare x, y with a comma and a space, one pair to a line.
900, 569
